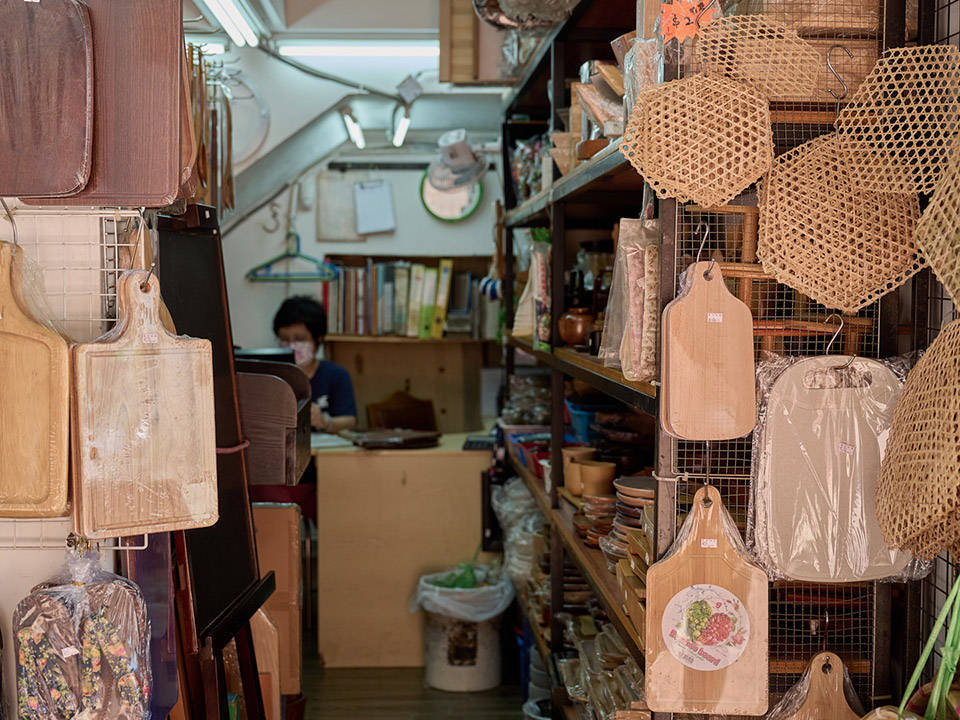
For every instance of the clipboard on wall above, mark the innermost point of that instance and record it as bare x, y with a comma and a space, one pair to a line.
374, 203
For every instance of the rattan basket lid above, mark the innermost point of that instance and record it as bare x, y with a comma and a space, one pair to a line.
900, 128
761, 52
938, 232
918, 493
822, 234
702, 139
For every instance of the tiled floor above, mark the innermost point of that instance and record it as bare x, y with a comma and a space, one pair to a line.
397, 694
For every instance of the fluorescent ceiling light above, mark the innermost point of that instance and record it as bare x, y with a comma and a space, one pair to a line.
234, 22
353, 127
381, 50
213, 48
402, 126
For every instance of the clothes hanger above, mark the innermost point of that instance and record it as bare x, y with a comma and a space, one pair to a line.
322, 271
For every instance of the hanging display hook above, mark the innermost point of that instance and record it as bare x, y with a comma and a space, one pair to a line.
706, 234
849, 362
145, 285
704, 11
13, 223
837, 75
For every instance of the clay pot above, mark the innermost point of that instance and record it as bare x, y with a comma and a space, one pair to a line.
597, 477
572, 455
574, 325
571, 478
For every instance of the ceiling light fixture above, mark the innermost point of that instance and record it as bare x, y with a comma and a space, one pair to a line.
403, 124
353, 127
372, 50
237, 24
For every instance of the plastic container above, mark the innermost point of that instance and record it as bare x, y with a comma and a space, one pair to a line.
462, 656
582, 417
536, 710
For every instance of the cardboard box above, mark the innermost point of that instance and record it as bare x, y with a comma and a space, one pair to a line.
277, 529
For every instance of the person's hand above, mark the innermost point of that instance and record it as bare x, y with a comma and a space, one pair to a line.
318, 418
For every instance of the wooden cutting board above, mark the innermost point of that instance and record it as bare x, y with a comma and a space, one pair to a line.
708, 370
137, 56
46, 112
144, 445
825, 699
706, 623
34, 402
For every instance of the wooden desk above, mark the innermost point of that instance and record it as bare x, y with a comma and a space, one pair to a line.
384, 518
445, 371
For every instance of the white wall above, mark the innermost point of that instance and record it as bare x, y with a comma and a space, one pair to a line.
252, 305
367, 14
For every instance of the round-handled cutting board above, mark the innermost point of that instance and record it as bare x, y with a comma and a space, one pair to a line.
825, 699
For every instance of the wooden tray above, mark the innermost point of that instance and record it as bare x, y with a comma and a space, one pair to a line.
825, 698
34, 402
144, 445
137, 57
719, 667
46, 119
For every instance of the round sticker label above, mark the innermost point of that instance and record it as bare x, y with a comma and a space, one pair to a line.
705, 627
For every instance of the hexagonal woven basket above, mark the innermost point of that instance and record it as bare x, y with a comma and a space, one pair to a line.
938, 232
900, 128
701, 139
822, 234
918, 493
763, 53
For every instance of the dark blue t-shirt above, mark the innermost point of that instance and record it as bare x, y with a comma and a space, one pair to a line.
332, 382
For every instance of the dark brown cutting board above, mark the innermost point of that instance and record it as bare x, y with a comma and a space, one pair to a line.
137, 58
46, 97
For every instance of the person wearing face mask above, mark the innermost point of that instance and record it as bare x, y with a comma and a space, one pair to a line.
300, 325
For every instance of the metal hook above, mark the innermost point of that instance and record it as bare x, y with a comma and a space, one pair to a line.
713, 262
145, 285
704, 11
274, 217
13, 223
849, 362
833, 70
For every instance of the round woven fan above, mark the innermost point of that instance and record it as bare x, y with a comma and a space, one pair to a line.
702, 139
918, 493
900, 127
823, 235
938, 232
765, 54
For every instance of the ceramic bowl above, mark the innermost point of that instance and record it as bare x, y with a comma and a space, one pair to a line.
634, 487
597, 477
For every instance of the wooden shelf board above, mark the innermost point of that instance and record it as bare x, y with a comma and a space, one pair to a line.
534, 484
402, 339
574, 500
543, 647
640, 395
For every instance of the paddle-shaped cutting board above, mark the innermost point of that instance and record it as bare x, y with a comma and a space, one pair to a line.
46, 97
825, 699
706, 622
34, 402
708, 372
144, 443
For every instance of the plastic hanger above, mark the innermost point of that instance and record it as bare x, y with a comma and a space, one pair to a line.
321, 271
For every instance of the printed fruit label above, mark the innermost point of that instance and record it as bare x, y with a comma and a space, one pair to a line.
705, 627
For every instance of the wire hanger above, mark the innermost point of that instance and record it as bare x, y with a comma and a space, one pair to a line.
849, 362
833, 70
13, 223
321, 271
713, 261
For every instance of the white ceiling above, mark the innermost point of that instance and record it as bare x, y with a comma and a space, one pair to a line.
358, 15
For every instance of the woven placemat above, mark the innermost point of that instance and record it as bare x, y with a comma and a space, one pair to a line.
763, 53
821, 234
918, 493
703, 139
938, 232
900, 127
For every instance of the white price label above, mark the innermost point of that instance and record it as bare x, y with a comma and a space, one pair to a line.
715, 317
708, 542
151, 338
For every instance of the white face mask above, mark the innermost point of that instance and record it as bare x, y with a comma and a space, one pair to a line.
304, 351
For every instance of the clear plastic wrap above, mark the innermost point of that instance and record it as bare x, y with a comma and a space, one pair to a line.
642, 67
82, 645
511, 503
540, 277
639, 343
520, 548
821, 433
822, 690
615, 316
477, 604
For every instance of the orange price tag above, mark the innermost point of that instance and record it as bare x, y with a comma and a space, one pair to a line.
679, 18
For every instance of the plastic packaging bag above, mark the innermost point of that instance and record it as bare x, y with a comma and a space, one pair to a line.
478, 604
639, 342
817, 448
82, 645
540, 278
820, 672
642, 67
615, 316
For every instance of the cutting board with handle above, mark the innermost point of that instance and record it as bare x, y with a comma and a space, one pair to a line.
34, 402
137, 57
46, 116
708, 369
707, 621
144, 437
825, 699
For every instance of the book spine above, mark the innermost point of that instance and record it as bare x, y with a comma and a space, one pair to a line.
444, 278
415, 300
427, 303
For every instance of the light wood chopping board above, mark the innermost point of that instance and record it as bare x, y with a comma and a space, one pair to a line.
708, 371
144, 443
825, 699
34, 402
706, 622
